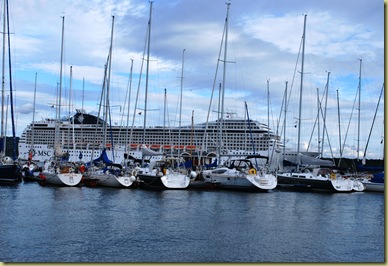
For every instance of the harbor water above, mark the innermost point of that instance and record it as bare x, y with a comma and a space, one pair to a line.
81, 224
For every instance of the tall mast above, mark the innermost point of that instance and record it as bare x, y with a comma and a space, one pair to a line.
339, 125
129, 100
268, 115
164, 109
3, 85
224, 77
359, 113
59, 95
10, 87
301, 89
318, 121
147, 72
180, 110
108, 87
69, 119
33, 114
324, 114
371, 128
285, 120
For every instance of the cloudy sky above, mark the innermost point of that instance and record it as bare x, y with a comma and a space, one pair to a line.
264, 40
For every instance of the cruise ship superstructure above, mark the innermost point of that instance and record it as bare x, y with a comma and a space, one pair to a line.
82, 137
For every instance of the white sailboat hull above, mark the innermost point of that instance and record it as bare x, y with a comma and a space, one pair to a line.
175, 180
265, 181
110, 180
232, 179
65, 179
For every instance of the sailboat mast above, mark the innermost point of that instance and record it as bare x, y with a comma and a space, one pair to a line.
164, 110
69, 118
285, 120
33, 116
225, 58
373, 121
180, 108
59, 96
339, 125
108, 85
3, 85
301, 88
129, 102
268, 116
10, 88
147, 72
224, 78
359, 112
324, 114
318, 121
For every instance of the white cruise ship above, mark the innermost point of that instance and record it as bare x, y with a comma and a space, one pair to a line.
82, 134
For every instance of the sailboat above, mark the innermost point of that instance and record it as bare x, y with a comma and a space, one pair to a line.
239, 174
161, 174
10, 170
376, 183
325, 179
109, 174
30, 170
59, 171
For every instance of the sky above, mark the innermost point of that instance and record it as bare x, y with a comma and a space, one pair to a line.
263, 54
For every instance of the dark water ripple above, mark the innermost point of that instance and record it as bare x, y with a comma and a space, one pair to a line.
52, 224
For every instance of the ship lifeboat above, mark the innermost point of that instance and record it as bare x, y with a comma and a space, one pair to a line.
167, 147
179, 147
134, 146
190, 147
108, 145
155, 146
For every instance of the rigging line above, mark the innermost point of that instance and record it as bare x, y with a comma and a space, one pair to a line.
350, 120
138, 86
212, 94
374, 118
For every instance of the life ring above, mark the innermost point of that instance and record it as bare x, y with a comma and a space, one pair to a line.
332, 176
252, 171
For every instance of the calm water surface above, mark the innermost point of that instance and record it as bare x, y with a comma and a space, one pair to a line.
66, 224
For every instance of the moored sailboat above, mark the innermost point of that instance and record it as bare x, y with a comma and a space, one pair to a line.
316, 178
109, 174
160, 174
10, 170
239, 174
58, 170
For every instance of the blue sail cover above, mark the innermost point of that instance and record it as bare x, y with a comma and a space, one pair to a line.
361, 167
103, 157
378, 178
188, 164
213, 164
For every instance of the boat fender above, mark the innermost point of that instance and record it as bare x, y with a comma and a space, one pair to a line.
82, 168
134, 172
193, 175
252, 171
332, 176
164, 171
